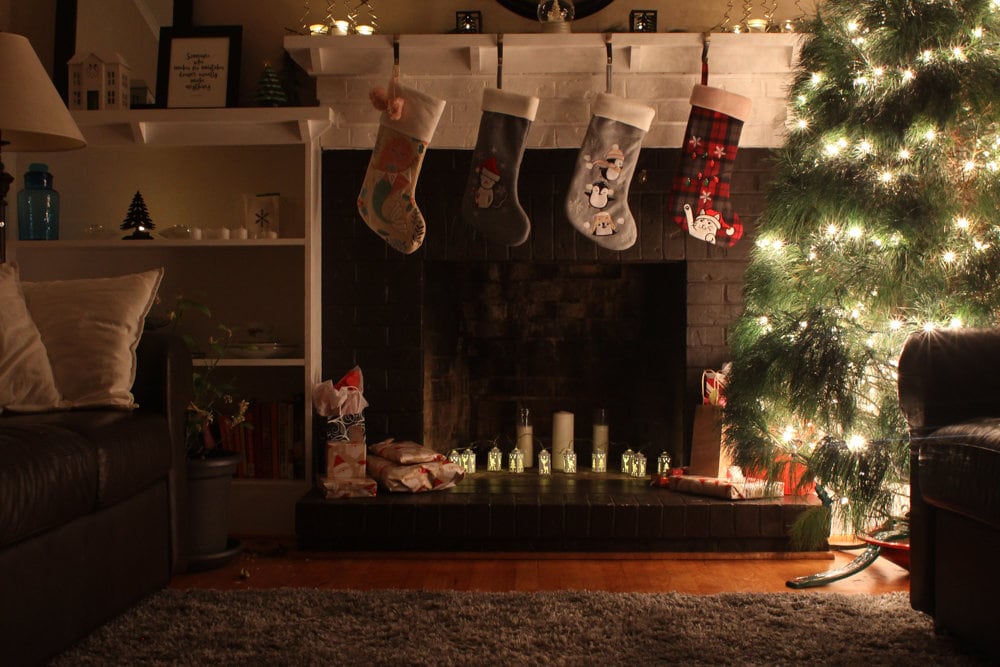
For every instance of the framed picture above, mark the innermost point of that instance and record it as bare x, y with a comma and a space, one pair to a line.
529, 8
199, 66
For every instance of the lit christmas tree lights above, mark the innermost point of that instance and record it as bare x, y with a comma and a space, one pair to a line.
882, 220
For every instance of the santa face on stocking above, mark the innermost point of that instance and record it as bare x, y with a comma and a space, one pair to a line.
488, 194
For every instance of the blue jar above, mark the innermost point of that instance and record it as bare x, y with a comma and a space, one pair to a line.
38, 206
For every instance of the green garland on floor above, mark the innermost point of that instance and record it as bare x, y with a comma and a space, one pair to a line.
882, 219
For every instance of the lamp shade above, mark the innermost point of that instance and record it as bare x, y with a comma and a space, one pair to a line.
32, 115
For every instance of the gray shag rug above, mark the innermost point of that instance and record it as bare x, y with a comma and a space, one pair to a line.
322, 627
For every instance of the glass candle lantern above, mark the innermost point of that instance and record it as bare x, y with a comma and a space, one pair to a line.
469, 460
494, 460
599, 461
569, 461
515, 460
544, 462
556, 15
627, 461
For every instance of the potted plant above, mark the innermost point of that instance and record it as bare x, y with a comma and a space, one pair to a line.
210, 468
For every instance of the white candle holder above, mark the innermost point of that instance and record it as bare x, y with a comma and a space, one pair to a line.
515, 460
627, 456
544, 462
469, 461
569, 461
494, 460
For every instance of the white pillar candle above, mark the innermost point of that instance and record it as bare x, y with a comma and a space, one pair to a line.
224, 233
240, 233
196, 233
562, 436
524, 437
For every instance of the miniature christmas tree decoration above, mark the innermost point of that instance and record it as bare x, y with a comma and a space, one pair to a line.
137, 219
269, 92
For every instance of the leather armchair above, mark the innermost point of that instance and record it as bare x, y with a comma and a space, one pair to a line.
949, 392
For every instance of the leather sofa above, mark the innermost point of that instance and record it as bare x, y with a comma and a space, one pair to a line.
949, 391
91, 508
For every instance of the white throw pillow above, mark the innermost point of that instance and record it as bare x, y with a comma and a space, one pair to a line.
26, 380
90, 328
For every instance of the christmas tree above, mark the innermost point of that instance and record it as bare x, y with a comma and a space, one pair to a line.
881, 220
269, 92
137, 219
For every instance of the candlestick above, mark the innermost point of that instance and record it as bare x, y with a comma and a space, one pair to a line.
562, 436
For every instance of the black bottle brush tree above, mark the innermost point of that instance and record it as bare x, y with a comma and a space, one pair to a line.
137, 219
881, 220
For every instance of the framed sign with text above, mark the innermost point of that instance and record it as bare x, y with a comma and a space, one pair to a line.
199, 67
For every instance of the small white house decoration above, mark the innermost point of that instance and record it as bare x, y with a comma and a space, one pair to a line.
99, 81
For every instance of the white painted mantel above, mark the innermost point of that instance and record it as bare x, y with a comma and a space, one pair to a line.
566, 71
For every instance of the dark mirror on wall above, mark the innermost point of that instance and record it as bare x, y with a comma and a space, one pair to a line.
529, 8
130, 28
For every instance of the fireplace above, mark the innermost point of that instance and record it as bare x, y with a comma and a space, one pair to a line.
456, 337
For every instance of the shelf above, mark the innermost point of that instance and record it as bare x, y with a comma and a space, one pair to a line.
358, 55
252, 363
102, 244
204, 127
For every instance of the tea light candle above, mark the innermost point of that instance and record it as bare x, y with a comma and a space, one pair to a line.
224, 233
196, 233
272, 235
240, 233
562, 436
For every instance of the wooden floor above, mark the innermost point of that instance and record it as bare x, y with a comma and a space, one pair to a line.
273, 564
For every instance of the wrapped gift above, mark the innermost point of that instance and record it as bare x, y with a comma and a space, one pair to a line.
746, 488
343, 405
365, 487
405, 452
415, 478
345, 460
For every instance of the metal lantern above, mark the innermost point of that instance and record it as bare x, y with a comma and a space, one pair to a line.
569, 461
469, 460
494, 460
627, 461
663, 464
544, 462
456, 457
599, 461
638, 465
515, 460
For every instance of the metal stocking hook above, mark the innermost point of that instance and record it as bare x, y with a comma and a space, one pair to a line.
395, 57
706, 41
607, 46
499, 60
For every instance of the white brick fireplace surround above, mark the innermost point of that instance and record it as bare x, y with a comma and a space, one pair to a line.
564, 71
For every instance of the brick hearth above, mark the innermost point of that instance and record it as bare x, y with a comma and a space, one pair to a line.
527, 512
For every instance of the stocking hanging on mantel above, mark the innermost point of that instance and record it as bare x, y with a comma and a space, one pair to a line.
386, 201
597, 200
699, 195
490, 202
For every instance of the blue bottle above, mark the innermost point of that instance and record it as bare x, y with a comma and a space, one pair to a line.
38, 206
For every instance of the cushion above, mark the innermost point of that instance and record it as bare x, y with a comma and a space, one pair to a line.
26, 380
90, 328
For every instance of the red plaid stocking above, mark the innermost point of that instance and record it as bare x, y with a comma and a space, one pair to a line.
699, 196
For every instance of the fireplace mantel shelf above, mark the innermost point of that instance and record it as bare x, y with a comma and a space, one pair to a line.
357, 55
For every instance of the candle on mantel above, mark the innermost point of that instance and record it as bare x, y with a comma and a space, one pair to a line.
525, 437
601, 431
562, 437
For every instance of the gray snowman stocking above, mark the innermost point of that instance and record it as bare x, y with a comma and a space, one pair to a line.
490, 201
597, 201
